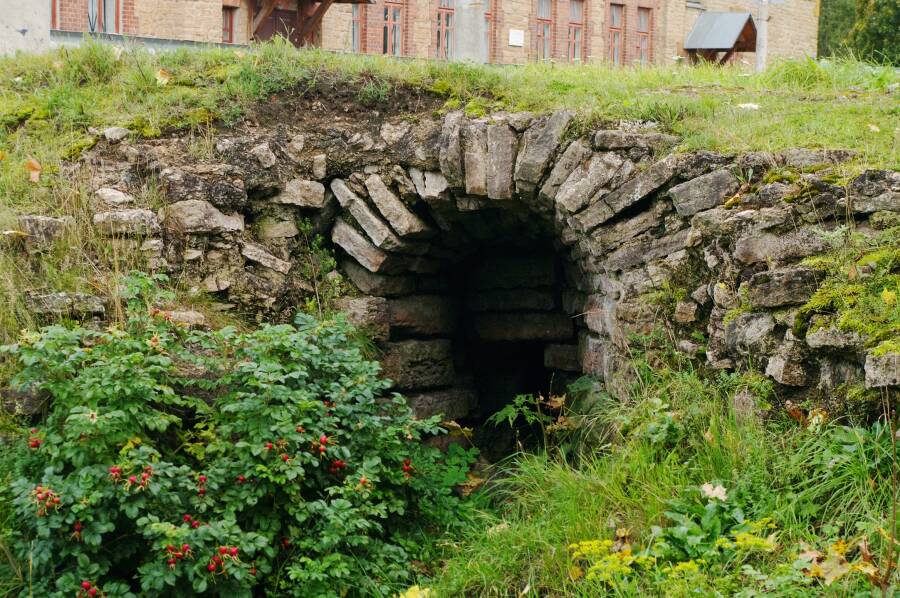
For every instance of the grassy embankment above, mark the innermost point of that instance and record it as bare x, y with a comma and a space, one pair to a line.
48, 103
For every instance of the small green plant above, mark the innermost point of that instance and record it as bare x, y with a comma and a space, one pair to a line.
190, 462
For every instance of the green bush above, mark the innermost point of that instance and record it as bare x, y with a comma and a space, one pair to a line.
175, 462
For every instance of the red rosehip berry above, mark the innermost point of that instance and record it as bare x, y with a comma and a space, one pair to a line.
217, 560
285, 457
241, 479
300, 430
195, 524
201, 491
223, 549
321, 449
211, 567
253, 571
323, 439
406, 461
132, 479
186, 518
170, 548
202, 479
234, 551
269, 446
171, 562
56, 500
92, 592
185, 547
77, 526
86, 585
363, 481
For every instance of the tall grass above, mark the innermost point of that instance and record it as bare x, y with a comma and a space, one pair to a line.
817, 483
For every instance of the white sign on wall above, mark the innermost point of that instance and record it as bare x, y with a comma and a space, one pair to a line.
516, 38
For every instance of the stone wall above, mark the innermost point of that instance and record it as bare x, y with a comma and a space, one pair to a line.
463, 239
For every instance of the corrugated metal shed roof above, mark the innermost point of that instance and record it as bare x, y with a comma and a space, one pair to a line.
717, 30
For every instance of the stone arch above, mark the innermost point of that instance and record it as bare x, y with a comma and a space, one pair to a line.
479, 278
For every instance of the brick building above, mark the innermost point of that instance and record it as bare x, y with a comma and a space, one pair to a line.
507, 31
518, 31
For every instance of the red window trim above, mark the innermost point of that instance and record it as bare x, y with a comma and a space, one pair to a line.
386, 26
443, 30
541, 22
228, 25
620, 30
54, 19
648, 34
360, 20
571, 40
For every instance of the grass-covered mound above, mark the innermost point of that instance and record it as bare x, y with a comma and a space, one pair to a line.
180, 463
679, 493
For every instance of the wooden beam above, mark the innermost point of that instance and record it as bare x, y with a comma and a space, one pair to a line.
313, 21
264, 13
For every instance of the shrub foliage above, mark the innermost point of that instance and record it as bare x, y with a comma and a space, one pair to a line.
186, 462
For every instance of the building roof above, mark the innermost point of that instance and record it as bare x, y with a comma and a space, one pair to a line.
720, 31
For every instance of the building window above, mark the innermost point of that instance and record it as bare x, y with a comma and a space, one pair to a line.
616, 33
544, 30
575, 51
392, 29
228, 25
103, 15
644, 24
445, 29
356, 29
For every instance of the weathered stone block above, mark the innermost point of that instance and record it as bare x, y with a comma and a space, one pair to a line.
451, 156
264, 155
375, 228
821, 335
875, 190
65, 304
475, 158
686, 311
198, 216
524, 326
539, 143
422, 314
127, 222
369, 313
258, 254
511, 300
269, 228
645, 250
562, 357
113, 197
787, 365
401, 219
785, 286
594, 355
358, 247
450, 403
42, 231
616, 140
303, 194
883, 370
377, 284
751, 334
587, 180
505, 272
419, 364
502, 144
703, 193
577, 152
768, 247
630, 193
430, 186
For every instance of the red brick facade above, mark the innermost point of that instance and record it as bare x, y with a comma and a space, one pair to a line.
73, 15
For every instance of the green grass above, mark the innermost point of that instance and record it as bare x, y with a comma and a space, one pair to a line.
819, 483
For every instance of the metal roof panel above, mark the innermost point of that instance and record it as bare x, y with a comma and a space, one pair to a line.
717, 30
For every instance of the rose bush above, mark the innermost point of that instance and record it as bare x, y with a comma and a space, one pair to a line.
177, 462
